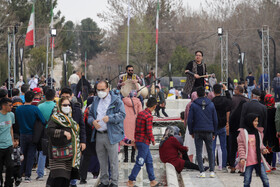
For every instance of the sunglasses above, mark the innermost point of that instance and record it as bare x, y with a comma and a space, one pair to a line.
66, 105
130, 70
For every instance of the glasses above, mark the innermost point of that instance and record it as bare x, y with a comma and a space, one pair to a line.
130, 70
65, 105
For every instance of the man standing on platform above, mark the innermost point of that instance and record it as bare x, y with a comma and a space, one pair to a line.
129, 75
73, 81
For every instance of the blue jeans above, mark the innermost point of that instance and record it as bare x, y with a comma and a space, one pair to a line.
248, 175
144, 156
41, 164
207, 137
28, 149
222, 133
249, 89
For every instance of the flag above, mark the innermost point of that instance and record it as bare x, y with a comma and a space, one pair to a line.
157, 19
29, 39
128, 13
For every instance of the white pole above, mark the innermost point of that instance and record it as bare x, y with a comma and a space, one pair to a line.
14, 49
47, 56
128, 20
52, 62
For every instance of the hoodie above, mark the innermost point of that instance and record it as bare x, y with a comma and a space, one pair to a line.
202, 116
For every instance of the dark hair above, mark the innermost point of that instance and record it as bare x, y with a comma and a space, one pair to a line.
182, 115
217, 88
15, 91
240, 88
29, 96
45, 88
32, 76
16, 137
128, 66
3, 93
200, 91
151, 102
50, 93
152, 68
157, 87
74, 71
250, 72
91, 91
24, 88
63, 99
5, 101
66, 90
105, 82
199, 52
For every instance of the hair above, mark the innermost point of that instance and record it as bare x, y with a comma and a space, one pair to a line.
240, 88
105, 82
15, 91
182, 115
32, 76
250, 72
3, 93
29, 96
50, 93
74, 71
91, 91
66, 90
200, 91
24, 88
157, 87
128, 66
63, 99
217, 88
199, 52
45, 88
151, 102
16, 137
5, 101
152, 68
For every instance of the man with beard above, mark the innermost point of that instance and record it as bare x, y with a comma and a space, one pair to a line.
129, 75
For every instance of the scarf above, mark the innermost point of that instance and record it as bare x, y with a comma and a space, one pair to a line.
67, 121
170, 131
248, 125
269, 101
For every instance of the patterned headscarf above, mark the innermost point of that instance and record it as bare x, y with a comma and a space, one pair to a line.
269, 101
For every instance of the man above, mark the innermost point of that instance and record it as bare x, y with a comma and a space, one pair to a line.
251, 84
6, 140
222, 106
20, 82
37, 97
142, 78
129, 75
26, 116
237, 101
50, 81
212, 81
73, 81
3, 93
143, 137
33, 82
263, 80
24, 88
161, 102
46, 109
16, 101
151, 76
202, 124
254, 106
107, 114
193, 71
276, 87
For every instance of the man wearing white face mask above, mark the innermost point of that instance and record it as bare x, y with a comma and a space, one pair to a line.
107, 114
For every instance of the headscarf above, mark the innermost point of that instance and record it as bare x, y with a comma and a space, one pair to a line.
169, 131
269, 101
67, 121
248, 125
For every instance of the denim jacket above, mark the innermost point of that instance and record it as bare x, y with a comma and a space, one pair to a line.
116, 114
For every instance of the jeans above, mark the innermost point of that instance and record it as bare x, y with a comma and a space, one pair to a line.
223, 142
248, 175
73, 88
144, 157
6, 159
277, 94
41, 164
207, 137
249, 89
28, 149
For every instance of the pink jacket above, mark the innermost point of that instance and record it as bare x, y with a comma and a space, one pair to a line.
242, 141
193, 97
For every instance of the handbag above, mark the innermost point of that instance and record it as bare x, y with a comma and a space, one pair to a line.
65, 152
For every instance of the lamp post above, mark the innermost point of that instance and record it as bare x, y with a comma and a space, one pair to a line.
53, 34
239, 61
17, 65
65, 69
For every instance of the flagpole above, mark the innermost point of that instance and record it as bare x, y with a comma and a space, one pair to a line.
34, 24
47, 56
85, 64
128, 19
157, 19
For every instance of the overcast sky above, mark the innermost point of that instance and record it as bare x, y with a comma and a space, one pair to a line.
76, 10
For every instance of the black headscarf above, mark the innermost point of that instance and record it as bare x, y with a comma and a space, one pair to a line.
248, 125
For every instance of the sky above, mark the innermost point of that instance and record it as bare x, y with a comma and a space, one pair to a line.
77, 10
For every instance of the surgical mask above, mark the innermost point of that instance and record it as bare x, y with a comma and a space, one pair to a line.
66, 109
101, 94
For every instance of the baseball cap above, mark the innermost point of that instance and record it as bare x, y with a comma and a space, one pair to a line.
36, 90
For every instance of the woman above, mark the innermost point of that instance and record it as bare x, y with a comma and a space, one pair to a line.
63, 132
270, 141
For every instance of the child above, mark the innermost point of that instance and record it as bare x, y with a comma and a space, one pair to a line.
143, 137
17, 157
250, 149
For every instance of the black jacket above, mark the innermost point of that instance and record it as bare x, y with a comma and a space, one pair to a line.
78, 117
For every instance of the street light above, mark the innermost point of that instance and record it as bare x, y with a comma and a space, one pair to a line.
274, 58
220, 31
53, 34
240, 60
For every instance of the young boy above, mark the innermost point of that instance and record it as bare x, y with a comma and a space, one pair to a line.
143, 137
17, 158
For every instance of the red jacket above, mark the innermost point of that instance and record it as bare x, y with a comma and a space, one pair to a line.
168, 153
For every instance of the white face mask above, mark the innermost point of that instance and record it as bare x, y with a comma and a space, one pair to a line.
66, 109
101, 94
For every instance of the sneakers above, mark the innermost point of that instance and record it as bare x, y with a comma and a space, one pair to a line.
212, 174
83, 181
39, 178
27, 180
224, 170
201, 175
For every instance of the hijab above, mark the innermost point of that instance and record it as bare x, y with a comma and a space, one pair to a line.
269, 101
169, 131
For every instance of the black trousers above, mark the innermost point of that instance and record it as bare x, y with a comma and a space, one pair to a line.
6, 159
16, 175
233, 148
162, 109
269, 158
60, 182
188, 163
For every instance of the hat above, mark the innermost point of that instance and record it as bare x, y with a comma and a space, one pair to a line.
256, 92
36, 90
235, 81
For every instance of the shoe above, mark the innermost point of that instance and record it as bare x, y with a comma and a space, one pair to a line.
125, 154
220, 168
39, 178
273, 169
201, 175
212, 174
83, 181
232, 169
27, 180
73, 185
224, 170
242, 174
206, 168
113, 185
102, 185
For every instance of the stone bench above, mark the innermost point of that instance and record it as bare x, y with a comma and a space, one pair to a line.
171, 175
